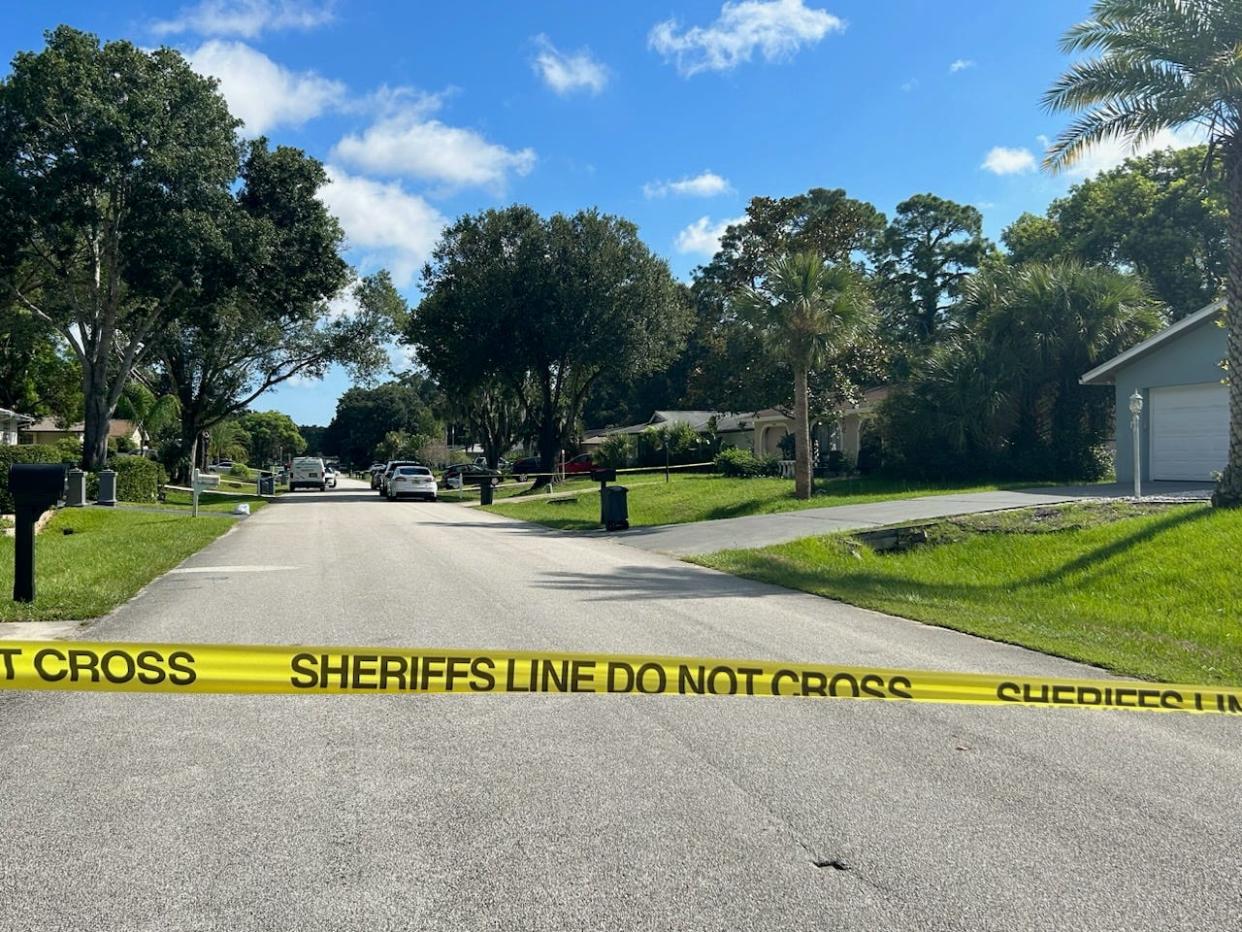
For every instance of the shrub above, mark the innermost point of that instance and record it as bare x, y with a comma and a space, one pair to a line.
138, 479
68, 451
25, 453
616, 451
836, 463
240, 471
743, 464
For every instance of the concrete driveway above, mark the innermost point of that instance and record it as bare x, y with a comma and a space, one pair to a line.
702, 537
585, 812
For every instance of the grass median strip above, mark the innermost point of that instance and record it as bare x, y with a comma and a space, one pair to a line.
108, 557
695, 497
1148, 591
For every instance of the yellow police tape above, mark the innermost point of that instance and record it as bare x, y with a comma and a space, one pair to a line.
295, 670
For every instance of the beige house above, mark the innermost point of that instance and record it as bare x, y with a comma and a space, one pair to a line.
761, 432
46, 430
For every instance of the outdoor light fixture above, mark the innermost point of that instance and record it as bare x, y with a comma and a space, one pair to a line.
1136, 411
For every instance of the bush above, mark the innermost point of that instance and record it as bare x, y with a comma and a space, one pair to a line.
870, 449
25, 453
836, 463
743, 464
240, 471
138, 479
68, 451
616, 451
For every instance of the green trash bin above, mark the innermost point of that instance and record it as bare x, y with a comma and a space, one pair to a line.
615, 510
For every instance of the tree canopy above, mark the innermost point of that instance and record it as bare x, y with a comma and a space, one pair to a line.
545, 307
115, 170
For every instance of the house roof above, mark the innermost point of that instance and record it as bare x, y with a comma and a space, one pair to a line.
49, 425
25, 418
1103, 374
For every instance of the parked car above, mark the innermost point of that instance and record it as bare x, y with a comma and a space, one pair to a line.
582, 463
329, 475
412, 481
377, 470
525, 466
502, 464
469, 474
389, 468
307, 472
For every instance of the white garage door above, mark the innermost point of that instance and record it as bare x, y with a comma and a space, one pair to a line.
1189, 431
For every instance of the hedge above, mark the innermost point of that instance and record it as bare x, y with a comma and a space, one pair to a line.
138, 479
734, 461
24, 453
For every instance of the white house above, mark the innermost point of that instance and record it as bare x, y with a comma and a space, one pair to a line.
11, 423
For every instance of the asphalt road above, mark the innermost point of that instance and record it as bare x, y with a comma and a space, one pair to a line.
585, 812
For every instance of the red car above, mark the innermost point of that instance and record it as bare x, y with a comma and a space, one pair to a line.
582, 463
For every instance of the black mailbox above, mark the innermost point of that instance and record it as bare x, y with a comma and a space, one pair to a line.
35, 489
603, 475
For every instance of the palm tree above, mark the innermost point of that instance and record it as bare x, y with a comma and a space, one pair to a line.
149, 413
1164, 64
806, 309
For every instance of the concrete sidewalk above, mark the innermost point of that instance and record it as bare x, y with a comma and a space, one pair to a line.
702, 537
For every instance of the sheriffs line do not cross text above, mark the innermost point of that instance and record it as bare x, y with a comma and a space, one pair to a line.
238, 668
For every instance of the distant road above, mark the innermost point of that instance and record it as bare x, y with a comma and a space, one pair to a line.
577, 812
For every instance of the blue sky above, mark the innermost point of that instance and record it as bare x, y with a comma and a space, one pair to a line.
672, 113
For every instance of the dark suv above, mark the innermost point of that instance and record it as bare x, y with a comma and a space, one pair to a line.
470, 474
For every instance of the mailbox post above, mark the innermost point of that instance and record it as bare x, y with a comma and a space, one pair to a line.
35, 489
198, 482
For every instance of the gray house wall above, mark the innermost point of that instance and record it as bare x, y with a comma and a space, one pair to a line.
1189, 358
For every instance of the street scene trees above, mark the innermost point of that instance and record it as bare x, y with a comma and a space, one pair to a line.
559, 357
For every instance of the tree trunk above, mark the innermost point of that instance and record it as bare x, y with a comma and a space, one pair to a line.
95, 434
802, 435
549, 446
191, 443
1229, 489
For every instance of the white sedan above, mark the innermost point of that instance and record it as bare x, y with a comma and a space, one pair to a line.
414, 481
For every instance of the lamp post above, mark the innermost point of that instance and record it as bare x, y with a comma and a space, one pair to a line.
1136, 410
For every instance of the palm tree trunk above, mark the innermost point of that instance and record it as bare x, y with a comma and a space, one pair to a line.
802, 435
1229, 488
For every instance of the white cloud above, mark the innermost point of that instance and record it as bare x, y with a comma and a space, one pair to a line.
566, 73
703, 236
910, 85
245, 18
1110, 154
261, 92
706, 184
1003, 161
411, 144
777, 28
961, 64
389, 226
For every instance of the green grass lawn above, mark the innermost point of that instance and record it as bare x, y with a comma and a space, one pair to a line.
698, 497
1148, 592
111, 554
212, 502
471, 493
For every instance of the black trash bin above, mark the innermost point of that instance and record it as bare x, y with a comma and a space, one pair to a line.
487, 491
267, 485
615, 512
